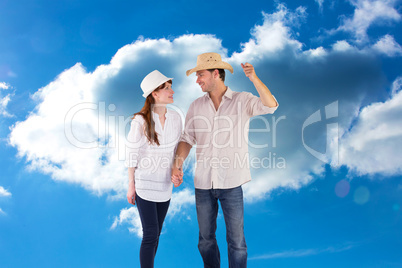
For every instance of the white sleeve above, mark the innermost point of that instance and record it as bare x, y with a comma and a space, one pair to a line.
135, 139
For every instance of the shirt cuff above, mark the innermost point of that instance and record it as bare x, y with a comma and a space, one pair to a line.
269, 110
188, 139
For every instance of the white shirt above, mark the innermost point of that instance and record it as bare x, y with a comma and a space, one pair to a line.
153, 163
221, 137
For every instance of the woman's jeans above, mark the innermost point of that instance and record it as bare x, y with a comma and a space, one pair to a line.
207, 210
152, 215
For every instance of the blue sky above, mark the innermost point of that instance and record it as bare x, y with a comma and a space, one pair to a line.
326, 188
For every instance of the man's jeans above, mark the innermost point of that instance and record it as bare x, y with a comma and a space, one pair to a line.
207, 210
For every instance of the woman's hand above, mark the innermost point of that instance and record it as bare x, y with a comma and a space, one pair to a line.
177, 176
131, 192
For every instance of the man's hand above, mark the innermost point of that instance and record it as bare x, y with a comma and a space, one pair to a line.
131, 193
249, 71
177, 176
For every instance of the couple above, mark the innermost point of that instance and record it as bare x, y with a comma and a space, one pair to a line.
215, 123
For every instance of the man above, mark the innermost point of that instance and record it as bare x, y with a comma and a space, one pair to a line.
215, 123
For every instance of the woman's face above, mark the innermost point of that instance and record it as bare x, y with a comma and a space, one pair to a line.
164, 95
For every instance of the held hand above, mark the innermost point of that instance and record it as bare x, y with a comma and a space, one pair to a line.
176, 181
249, 71
131, 193
177, 176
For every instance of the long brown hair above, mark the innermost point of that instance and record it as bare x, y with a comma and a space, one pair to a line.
146, 113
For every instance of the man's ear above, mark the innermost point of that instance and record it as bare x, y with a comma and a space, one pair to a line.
216, 73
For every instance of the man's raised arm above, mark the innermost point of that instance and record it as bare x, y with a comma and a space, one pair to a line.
266, 97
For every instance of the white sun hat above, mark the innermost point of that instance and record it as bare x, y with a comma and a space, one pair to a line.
153, 80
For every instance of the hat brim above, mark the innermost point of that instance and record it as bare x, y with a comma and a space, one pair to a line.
208, 66
146, 94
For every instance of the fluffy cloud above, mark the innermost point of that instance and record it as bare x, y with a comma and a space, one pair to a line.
4, 85
367, 13
342, 46
303, 252
77, 131
396, 86
4, 100
59, 137
273, 36
130, 216
388, 46
4, 192
373, 145
320, 4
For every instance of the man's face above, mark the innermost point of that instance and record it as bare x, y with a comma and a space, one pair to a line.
205, 80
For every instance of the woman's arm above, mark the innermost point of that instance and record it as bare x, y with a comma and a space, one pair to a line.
131, 186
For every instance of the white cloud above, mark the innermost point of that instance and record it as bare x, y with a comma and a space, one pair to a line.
274, 35
51, 138
4, 100
320, 4
72, 112
299, 171
373, 145
396, 86
388, 46
4, 192
368, 13
302, 253
77, 131
342, 46
180, 199
131, 217
317, 52
4, 85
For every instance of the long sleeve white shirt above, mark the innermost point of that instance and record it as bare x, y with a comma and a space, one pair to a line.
153, 163
221, 138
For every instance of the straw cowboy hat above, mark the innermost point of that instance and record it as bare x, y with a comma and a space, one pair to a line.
153, 80
210, 61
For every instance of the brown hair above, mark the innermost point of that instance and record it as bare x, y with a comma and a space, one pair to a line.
221, 73
146, 113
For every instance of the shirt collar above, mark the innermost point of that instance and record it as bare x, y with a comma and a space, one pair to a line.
228, 93
155, 115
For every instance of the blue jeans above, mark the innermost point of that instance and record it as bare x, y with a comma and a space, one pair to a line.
152, 215
233, 211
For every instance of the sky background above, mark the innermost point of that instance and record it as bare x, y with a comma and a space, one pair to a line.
327, 191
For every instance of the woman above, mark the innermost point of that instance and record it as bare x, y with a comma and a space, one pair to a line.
152, 141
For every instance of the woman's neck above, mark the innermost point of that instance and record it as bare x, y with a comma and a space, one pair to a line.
159, 109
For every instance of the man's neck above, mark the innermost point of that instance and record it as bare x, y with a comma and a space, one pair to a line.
217, 94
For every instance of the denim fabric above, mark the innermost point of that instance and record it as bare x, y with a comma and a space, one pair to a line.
233, 211
152, 215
